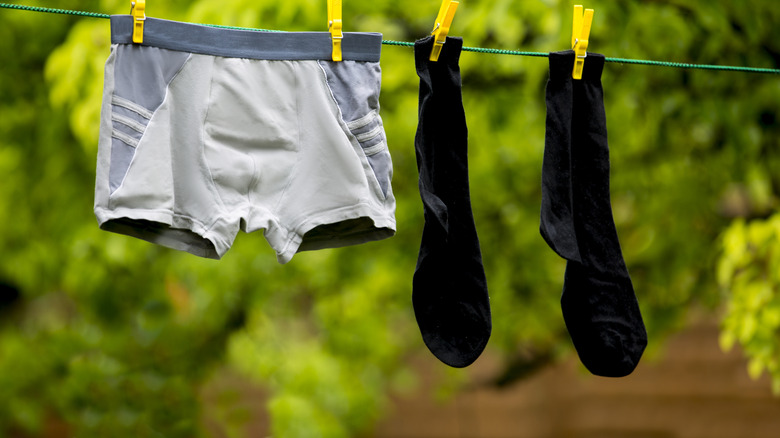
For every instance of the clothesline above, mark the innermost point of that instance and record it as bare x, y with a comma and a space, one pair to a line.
466, 49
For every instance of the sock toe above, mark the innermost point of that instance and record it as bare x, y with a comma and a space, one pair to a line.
453, 314
603, 319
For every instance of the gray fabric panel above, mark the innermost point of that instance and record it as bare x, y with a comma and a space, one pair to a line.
355, 85
121, 156
236, 43
383, 169
142, 74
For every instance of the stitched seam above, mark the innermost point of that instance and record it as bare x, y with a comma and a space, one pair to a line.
330, 91
203, 135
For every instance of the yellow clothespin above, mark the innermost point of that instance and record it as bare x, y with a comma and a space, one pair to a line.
442, 26
579, 38
334, 26
138, 11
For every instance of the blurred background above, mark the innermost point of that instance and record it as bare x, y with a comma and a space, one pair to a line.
106, 335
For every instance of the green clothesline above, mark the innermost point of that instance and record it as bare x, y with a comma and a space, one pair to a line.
467, 49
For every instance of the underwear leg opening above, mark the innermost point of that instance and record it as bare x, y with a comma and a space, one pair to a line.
163, 234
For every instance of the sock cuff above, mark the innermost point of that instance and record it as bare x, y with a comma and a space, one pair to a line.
450, 51
562, 64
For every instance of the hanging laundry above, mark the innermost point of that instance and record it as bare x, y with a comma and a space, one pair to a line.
205, 131
450, 294
598, 302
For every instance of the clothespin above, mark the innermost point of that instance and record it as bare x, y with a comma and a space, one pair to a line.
579, 38
138, 11
334, 26
442, 26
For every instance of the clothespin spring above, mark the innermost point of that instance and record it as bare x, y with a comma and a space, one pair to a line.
436, 41
584, 54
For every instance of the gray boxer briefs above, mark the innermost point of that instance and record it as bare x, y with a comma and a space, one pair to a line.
205, 131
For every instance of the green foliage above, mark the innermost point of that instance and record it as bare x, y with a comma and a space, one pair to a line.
748, 273
116, 336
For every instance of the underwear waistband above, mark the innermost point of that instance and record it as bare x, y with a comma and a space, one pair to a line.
238, 43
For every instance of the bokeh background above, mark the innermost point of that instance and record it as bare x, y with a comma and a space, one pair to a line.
104, 335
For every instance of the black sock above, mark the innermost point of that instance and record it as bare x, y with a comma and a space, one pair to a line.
450, 294
598, 301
